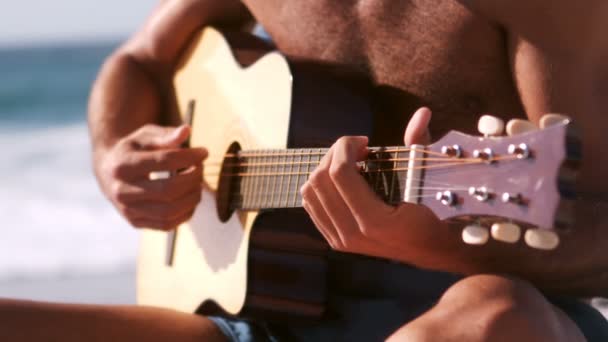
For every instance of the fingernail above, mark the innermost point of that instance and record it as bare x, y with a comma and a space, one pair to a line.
363, 139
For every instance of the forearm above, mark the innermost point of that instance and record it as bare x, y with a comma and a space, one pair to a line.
134, 86
124, 98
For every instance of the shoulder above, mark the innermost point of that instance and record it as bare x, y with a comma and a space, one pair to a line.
552, 24
170, 26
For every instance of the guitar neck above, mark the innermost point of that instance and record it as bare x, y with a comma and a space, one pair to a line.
271, 179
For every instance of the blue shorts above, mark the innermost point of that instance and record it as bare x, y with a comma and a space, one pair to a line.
384, 298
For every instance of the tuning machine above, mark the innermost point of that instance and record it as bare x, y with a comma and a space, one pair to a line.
542, 239
475, 234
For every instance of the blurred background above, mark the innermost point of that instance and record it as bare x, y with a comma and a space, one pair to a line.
60, 240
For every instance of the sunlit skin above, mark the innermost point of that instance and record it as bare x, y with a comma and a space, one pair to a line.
459, 58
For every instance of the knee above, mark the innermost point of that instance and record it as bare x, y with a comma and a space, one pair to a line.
491, 308
497, 308
480, 289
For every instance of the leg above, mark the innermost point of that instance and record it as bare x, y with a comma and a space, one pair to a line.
29, 321
491, 308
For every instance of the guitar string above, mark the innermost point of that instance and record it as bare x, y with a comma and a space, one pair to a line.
298, 203
235, 165
322, 152
298, 195
291, 191
445, 162
424, 167
427, 180
294, 194
452, 187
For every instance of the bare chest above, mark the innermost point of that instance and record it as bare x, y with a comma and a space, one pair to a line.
418, 52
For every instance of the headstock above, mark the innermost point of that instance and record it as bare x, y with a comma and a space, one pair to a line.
500, 184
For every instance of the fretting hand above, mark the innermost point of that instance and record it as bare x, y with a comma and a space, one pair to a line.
350, 215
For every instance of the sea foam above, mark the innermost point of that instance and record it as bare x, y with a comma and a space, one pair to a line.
54, 219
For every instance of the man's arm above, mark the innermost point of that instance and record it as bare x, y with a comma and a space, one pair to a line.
132, 96
134, 86
558, 51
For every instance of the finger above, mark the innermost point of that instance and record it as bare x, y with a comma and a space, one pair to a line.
166, 212
320, 218
332, 203
151, 137
417, 131
357, 194
138, 165
165, 190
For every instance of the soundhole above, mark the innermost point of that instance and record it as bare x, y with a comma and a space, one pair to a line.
228, 190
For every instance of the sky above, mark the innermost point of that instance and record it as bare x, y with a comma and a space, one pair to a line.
31, 22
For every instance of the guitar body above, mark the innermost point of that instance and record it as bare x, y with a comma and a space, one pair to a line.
272, 263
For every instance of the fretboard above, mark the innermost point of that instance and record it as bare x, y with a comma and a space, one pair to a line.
270, 179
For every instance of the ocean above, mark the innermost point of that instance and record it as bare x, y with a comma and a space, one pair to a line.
56, 223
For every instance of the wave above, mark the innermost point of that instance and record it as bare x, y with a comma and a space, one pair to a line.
55, 220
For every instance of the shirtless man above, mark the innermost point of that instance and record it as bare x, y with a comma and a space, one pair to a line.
460, 58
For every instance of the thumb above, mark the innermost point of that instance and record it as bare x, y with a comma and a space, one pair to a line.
157, 137
417, 131
173, 137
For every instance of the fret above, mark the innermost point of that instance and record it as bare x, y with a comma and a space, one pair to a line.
255, 170
261, 171
414, 175
281, 171
402, 166
305, 177
273, 177
317, 158
289, 157
391, 198
245, 186
265, 191
298, 164
379, 174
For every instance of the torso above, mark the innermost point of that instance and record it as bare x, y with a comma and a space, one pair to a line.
418, 53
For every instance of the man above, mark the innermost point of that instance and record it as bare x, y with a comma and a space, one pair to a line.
458, 57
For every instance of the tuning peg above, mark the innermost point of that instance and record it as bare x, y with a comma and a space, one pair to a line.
519, 126
541, 239
552, 119
506, 232
489, 125
475, 235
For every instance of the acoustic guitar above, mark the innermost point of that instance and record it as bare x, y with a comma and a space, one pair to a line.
249, 248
